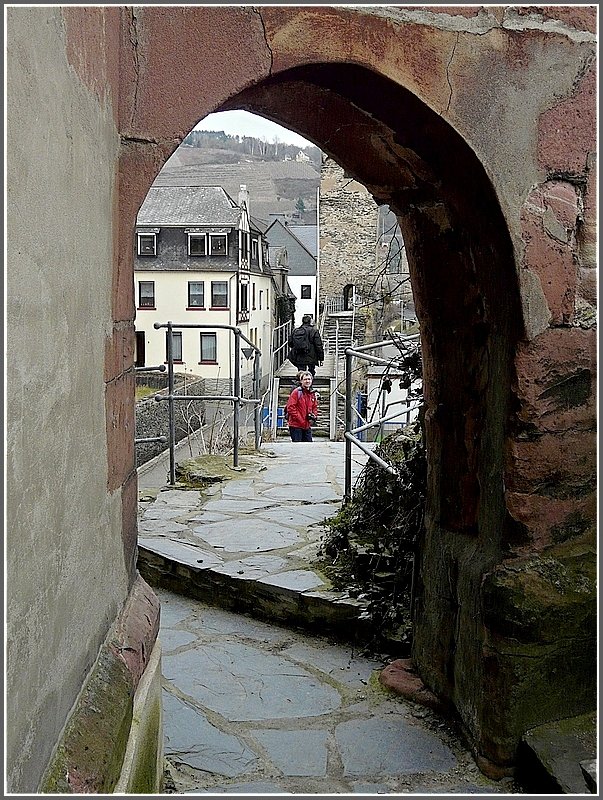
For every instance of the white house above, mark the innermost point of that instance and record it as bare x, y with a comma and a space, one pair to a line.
301, 244
199, 260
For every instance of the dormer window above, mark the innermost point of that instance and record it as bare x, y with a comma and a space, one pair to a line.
254, 249
217, 244
197, 244
147, 244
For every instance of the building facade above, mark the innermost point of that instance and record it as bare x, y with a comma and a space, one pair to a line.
201, 261
299, 241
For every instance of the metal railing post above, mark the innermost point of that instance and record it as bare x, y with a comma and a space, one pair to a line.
348, 427
256, 393
237, 394
171, 420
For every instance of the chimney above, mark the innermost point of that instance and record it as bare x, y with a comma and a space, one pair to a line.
244, 197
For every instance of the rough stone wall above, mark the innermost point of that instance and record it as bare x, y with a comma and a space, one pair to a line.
348, 232
152, 419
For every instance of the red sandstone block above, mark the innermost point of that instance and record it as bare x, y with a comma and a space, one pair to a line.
561, 464
120, 425
567, 131
401, 678
137, 628
549, 520
129, 522
549, 220
556, 380
184, 62
119, 350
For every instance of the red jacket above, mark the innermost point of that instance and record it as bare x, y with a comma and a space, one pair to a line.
301, 402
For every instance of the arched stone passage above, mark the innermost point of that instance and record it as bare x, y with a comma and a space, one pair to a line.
506, 619
404, 99
467, 298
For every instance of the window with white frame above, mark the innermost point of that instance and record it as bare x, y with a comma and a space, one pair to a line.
306, 292
244, 297
261, 294
253, 296
209, 348
176, 346
219, 294
195, 294
254, 249
146, 294
147, 244
218, 244
197, 244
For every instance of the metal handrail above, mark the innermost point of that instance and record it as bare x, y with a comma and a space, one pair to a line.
235, 398
349, 435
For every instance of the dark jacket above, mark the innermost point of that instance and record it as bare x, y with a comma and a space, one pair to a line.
301, 402
316, 352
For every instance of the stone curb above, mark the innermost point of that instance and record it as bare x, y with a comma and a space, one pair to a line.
327, 611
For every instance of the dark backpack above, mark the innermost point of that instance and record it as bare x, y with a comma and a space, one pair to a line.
300, 342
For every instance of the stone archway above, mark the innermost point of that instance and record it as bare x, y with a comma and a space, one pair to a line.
492, 227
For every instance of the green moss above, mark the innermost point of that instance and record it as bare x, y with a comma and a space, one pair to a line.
144, 391
537, 598
90, 755
144, 777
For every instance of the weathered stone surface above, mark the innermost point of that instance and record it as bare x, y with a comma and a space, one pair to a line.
348, 232
556, 465
299, 752
400, 676
556, 381
539, 654
137, 629
548, 520
192, 740
549, 222
381, 747
571, 120
252, 537
120, 427
119, 350
90, 754
298, 580
552, 755
91, 751
278, 690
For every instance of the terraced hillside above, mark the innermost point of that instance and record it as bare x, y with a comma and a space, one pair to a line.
274, 186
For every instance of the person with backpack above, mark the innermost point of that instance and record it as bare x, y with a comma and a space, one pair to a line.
305, 346
301, 411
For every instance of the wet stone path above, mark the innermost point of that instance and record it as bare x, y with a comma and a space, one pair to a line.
254, 708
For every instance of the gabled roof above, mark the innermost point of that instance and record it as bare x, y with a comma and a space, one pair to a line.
301, 260
307, 235
188, 205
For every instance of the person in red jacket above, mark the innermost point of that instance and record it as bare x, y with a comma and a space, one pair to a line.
301, 410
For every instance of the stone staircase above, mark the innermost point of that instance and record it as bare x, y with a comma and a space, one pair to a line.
338, 330
341, 330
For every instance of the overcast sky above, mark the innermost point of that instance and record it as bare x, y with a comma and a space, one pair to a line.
242, 123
